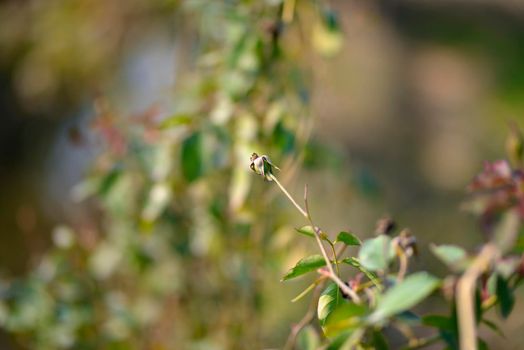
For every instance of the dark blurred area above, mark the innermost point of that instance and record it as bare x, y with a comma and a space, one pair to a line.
420, 94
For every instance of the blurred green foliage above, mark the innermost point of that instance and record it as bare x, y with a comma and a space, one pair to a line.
182, 234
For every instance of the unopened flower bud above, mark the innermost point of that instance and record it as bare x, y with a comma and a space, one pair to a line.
262, 165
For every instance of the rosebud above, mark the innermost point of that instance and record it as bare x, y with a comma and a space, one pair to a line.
262, 166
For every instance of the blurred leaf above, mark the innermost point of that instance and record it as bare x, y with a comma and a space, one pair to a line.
109, 180
438, 321
319, 156
175, 120
328, 302
379, 341
192, 164
482, 345
453, 256
347, 316
494, 327
308, 231
284, 138
347, 238
404, 295
327, 38
505, 297
308, 339
376, 253
339, 340
305, 265
507, 266
478, 306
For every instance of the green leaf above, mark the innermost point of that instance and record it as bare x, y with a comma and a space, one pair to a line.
328, 302
306, 230
376, 253
338, 341
482, 345
310, 232
494, 327
505, 297
347, 316
453, 256
404, 295
175, 120
308, 339
379, 341
305, 265
347, 238
109, 180
192, 164
438, 321
369, 274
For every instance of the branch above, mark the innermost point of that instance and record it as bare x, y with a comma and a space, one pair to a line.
502, 241
465, 296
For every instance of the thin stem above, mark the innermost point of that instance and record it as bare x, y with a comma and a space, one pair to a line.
332, 275
336, 264
302, 211
344, 287
335, 260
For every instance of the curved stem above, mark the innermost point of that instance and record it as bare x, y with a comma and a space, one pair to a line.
335, 259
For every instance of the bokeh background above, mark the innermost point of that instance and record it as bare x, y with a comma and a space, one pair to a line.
420, 94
